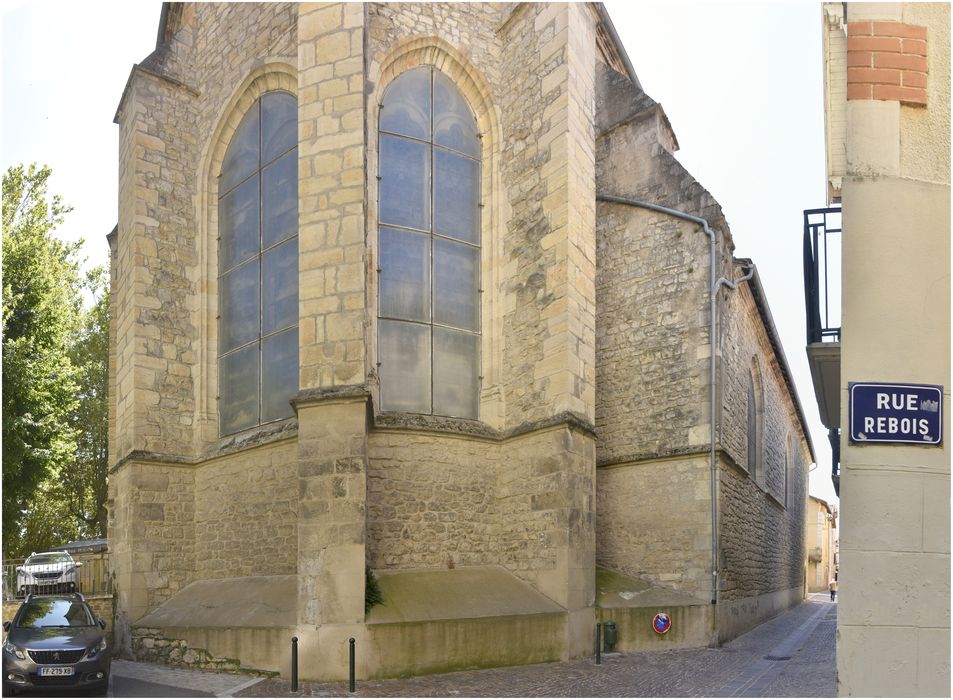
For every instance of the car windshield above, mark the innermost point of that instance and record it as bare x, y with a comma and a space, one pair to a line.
41, 613
51, 558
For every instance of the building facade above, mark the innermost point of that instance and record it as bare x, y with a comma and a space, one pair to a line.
389, 294
821, 528
887, 93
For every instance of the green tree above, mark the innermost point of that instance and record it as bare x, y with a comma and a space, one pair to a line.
70, 502
41, 312
85, 479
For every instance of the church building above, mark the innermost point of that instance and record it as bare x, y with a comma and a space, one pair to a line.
415, 298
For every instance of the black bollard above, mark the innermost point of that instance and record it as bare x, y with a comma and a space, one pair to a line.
598, 643
350, 665
294, 664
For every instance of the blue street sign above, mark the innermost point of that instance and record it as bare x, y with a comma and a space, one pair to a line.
910, 414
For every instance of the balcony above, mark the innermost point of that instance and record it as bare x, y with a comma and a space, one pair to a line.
822, 248
822, 239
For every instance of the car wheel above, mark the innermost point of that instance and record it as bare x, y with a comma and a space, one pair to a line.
8, 690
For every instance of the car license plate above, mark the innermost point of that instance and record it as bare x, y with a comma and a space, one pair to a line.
56, 671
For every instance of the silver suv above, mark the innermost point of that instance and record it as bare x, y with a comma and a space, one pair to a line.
48, 572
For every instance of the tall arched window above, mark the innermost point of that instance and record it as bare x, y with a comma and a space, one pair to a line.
258, 266
429, 243
755, 421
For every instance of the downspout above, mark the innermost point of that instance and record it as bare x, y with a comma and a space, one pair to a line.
713, 286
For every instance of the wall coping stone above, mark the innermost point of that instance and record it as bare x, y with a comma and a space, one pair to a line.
475, 428
348, 393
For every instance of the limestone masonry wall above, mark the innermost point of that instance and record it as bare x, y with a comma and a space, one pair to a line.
547, 512
652, 343
246, 509
153, 555
536, 172
652, 350
634, 500
332, 252
431, 500
166, 328
762, 519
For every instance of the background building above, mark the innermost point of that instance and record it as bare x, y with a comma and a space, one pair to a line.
887, 92
821, 528
421, 288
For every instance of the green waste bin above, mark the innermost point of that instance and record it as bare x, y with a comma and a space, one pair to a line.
610, 636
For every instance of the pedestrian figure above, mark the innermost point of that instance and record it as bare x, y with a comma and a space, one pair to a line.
833, 587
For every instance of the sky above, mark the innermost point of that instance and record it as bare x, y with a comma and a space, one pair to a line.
741, 84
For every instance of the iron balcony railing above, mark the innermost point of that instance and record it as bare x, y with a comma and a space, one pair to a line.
833, 436
822, 257
89, 576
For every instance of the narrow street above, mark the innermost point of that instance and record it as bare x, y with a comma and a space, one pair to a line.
789, 656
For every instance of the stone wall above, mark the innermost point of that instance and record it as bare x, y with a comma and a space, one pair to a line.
151, 537
246, 508
652, 343
164, 381
152, 645
523, 502
762, 519
547, 512
652, 411
746, 343
165, 269
331, 195
654, 522
547, 261
431, 500
512, 65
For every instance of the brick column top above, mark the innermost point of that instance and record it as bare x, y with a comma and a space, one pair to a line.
887, 61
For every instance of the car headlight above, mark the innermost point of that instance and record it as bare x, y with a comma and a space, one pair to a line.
11, 649
94, 651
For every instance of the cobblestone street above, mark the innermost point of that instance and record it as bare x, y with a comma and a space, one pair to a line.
789, 656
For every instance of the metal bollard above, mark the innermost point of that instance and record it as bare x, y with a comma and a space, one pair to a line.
598, 643
294, 664
350, 665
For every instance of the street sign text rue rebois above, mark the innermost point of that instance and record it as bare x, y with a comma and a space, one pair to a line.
908, 414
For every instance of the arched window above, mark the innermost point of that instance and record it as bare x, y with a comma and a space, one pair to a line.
258, 266
755, 421
429, 248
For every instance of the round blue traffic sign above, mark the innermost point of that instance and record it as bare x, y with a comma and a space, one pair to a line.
662, 623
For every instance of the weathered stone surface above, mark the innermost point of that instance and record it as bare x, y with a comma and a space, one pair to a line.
594, 346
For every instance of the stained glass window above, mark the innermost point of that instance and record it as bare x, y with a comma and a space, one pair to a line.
258, 267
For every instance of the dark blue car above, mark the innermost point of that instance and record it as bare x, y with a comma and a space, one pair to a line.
55, 642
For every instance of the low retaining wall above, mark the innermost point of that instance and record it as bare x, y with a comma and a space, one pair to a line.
245, 650
692, 626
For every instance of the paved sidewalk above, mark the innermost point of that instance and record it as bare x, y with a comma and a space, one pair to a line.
789, 656
221, 685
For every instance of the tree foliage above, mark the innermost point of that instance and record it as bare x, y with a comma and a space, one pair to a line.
54, 375
84, 482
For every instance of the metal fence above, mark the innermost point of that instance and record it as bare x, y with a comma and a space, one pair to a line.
87, 575
822, 248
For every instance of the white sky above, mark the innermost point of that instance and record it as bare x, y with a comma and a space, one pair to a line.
741, 84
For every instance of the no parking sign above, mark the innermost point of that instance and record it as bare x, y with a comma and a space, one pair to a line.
662, 623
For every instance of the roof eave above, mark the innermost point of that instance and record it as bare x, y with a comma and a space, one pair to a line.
614, 35
760, 300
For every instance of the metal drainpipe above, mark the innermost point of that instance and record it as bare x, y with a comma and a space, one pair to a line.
713, 286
